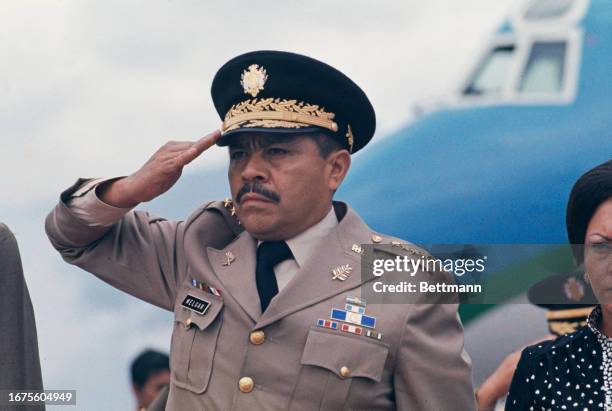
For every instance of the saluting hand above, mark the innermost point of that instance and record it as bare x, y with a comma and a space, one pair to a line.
157, 175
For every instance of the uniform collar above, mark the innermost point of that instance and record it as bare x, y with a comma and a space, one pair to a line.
333, 250
303, 244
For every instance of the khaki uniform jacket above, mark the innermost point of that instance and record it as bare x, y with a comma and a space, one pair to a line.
419, 364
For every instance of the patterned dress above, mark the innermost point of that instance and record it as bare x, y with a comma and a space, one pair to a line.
572, 372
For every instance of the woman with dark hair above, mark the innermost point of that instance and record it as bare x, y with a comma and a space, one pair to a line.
574, 372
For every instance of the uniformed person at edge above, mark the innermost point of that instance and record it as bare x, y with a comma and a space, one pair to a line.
265, 287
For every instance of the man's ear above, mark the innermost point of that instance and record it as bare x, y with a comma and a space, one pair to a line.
339, 162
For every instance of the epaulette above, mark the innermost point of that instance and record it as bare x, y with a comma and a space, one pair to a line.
395, 247
223, 208
398, 247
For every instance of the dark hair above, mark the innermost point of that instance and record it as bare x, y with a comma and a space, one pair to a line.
146, 364
592, 188
326, 143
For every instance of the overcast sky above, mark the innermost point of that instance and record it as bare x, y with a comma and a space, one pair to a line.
92, 88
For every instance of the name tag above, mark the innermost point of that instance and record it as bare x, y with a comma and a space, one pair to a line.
195, 304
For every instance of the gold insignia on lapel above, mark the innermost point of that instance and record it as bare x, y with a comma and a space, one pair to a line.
228, 259
349, 138
227, 203
253, 79
357, 248
342, 272
376, 238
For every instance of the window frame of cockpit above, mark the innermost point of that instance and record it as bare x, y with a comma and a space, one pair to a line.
572, 18
523, 44
500, 41
573, 51
523, 36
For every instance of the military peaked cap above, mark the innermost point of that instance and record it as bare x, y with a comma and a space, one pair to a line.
275, 91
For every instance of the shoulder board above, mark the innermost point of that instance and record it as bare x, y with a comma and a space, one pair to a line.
225, 209
398, 247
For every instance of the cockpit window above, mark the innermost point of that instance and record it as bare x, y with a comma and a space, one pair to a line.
547, 9
536, 60
491, 76
544, 71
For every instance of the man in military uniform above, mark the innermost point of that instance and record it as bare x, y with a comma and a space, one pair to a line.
252, 281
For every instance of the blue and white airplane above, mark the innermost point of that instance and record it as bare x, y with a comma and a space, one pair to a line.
495, 162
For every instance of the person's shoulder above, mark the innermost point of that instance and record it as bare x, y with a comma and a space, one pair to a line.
5, 233
9, 251
219, 214
567, 343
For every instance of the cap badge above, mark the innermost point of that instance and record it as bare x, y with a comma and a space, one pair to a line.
574, 290
253, 79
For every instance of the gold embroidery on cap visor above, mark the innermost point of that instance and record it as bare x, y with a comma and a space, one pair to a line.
569, 313
281, 113
277, 113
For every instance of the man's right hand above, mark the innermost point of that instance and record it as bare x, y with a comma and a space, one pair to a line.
157, 175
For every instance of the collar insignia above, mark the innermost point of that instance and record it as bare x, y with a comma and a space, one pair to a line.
342, 272
228, 259
356, 248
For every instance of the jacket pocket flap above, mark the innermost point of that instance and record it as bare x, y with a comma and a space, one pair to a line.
331, 351
198, 307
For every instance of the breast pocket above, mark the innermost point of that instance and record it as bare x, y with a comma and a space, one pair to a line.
194, 339
330, 362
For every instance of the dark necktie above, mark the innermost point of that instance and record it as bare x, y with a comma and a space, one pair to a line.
269, 253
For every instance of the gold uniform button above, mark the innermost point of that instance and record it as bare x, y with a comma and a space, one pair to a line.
257, 337
344, 371
246, 384
376, 238
188, 323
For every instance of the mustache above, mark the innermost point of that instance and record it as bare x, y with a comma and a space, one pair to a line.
258, 188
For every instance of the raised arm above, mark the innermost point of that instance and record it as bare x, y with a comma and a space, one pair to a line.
136, 252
